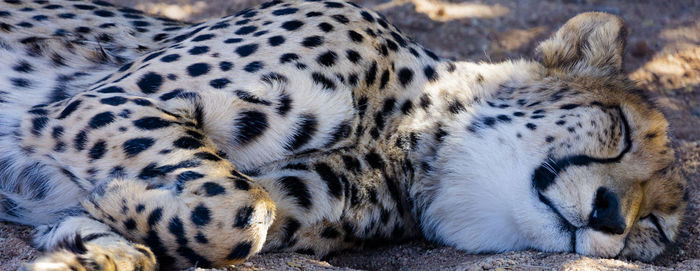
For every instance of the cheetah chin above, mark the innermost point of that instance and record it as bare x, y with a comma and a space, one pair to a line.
133, 142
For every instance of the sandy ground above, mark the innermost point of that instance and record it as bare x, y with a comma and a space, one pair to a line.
663, 55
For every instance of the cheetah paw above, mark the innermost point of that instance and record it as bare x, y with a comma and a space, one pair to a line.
77, 255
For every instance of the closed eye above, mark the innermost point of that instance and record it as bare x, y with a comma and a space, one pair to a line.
655, 220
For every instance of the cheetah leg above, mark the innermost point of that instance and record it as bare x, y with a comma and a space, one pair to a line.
204, 219
82, 243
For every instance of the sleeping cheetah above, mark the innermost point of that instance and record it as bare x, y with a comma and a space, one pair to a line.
133, 142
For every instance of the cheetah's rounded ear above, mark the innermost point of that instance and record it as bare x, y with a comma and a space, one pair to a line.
590, 42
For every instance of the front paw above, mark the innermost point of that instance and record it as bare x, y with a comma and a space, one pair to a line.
75, 255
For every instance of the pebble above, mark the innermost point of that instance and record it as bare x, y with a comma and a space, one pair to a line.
640, 49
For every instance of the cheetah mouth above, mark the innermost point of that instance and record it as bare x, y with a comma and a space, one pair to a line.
564, 223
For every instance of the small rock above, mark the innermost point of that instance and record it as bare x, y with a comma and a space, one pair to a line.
640, 49
608, 9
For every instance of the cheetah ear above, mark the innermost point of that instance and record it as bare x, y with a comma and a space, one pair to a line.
591, 42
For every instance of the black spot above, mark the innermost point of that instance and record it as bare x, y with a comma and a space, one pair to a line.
187, 142
246, 50
392, 45
290, 227
430, 73
198, 50
330, 4
339, 132
253, 66
98, 150
80, 140
569, 106
134, 146
241, 184
249, 125
112, 89
151, 123
288, 58
57, 132
40, 18
340, 18
152, 56
219, 83
170, 95
374, 160
327, 59
200, 238
38, 111
456, 107
312, 41
38, 124
201, 215
351, 163
353, 56
549, 139
292, 25
371, 74
330, 233
531, 126
285, 11
246, 30
233, 40
244, 217
430, 54
276, 40
325, 27
384, 79
198, 69
20, 82
405, 76
366, 16
114, 101
185, 177
399, 39
225, 65
285, 105
306, 128
213, 189
354, 36
296, 188
407, 107
503, 118
332, 180
241, 251
248, 97
101, 120
141, 102
23, 66
130, 224
319, 78
203, 37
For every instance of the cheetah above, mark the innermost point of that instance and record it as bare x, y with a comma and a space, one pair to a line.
133, 142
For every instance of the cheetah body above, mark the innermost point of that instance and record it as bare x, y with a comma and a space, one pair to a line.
313, 127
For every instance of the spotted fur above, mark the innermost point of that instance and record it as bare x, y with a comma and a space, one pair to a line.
314, 127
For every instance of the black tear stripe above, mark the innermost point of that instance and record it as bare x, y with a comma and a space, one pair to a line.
544, 175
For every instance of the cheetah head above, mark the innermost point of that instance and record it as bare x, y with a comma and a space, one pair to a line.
570, 159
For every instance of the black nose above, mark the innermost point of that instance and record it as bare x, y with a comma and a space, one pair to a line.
606, 216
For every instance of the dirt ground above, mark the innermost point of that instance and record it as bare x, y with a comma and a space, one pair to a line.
663, 55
